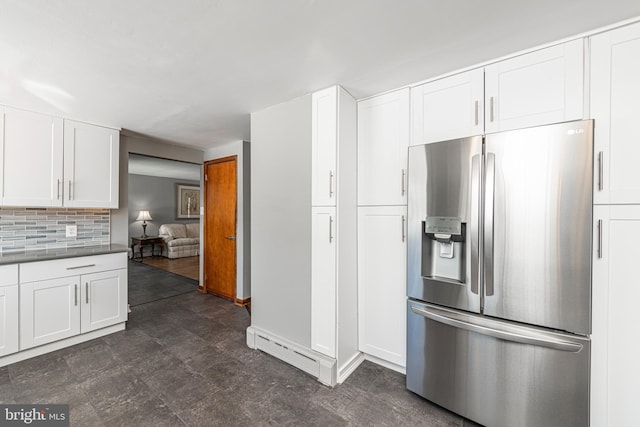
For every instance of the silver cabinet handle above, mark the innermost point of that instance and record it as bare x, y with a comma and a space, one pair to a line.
404, 174
330, 229
491, 109
330, 183
86, 292
403, 223
75, 294
600, 171
81, 266
230, 237
477, 112
489, 191
599, 238
58, 188
506, 333
69, 189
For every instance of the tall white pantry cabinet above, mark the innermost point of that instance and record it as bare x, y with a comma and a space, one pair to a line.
303, 225
615, 91
383, 139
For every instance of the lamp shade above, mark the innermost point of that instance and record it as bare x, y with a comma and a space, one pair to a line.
144, 216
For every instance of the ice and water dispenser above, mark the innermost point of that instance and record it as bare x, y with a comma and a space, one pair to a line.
443, 251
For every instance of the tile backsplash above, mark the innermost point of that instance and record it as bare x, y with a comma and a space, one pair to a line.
25, 229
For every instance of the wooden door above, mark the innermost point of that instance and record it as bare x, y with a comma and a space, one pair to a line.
220, 192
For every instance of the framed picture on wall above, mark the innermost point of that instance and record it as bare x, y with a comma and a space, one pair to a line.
188, 205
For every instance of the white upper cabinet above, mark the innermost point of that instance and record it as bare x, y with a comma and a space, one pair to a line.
449, 108
31, 158
50, 162
91, 157
324, 140
541, 87
615, 93
383, 138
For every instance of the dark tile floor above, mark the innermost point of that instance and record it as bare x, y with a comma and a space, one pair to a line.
147, 283
183, 360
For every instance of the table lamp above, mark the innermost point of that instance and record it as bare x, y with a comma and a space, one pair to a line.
144, 216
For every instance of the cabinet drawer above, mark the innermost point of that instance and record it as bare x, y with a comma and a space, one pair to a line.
44, 270
9, 275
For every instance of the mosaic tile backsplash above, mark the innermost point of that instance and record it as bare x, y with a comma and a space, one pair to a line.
27, 229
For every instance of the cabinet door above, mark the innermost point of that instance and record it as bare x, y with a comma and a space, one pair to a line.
382, 261
615, 373
615, 91
324, 139
323, 280
104, 299
31, 158
49, 311
91, 158
449, 108
383, 138
8, 319
537, 88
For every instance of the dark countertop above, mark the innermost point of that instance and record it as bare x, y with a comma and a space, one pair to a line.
31, 256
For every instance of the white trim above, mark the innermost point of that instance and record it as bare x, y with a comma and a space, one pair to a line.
57, 345
318, 365
384, 363
350, 367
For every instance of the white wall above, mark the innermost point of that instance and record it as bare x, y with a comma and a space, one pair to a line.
281, 220
243, 236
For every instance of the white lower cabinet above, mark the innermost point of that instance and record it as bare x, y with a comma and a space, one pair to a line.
615, 373
49, 311
104, 299
90, 295
323, 281
8, 309
382, 261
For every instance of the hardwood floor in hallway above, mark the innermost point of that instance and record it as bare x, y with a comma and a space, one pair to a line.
187, 267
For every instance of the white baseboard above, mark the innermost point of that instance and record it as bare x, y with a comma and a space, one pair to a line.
386, 364
350, 366
57, 345
318, 365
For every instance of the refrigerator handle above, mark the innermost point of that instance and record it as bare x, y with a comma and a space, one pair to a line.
476, 179
519, 336
489, 192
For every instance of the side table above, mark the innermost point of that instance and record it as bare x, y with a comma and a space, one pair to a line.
140, 242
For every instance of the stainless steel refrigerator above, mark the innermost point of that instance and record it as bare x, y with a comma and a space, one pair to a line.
499, 275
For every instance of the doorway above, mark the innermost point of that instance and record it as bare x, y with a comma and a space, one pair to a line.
220, 208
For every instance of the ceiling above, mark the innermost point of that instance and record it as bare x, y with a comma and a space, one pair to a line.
191, 72
164, 168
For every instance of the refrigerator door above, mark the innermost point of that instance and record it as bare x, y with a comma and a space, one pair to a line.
497, 373
537, 225
443, 223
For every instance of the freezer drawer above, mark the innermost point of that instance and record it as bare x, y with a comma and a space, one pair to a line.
497, 373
